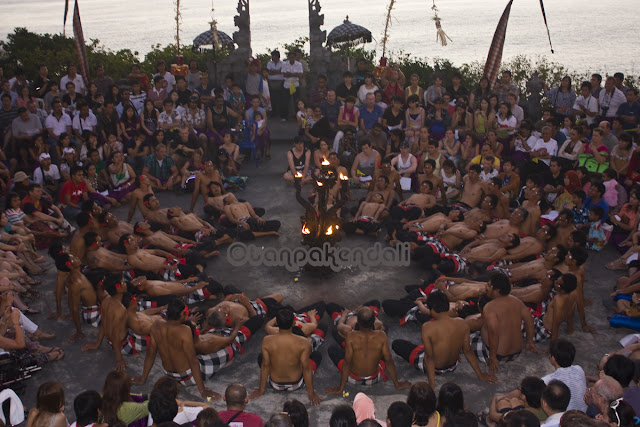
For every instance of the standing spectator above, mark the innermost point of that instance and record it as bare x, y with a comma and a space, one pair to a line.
505, 86
137, 97
57, 123
193, 76
42, 83
611, 98
7, 115
586, 105
319, 93
23, 129
161, 71
596, 81
292, 72
138, 75
253, 80
347, 88
73, 193
279, 98
630, 111
562, 97
235, 396
108, 122
305, 73
101, 81
73, 76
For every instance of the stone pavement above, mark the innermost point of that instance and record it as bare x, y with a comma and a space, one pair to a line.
80, 371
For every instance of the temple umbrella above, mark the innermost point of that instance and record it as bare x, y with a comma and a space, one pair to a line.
348, 35
206, 39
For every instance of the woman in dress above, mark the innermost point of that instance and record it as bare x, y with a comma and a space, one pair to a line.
505, 125
413, 88
367, 88
481, 121
122, 178
451, 146
129, 123
462, 120
149, 120
414, 118
481, 92
571, 148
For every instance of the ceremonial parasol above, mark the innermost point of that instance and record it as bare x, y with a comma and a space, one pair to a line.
206, 39
348, 35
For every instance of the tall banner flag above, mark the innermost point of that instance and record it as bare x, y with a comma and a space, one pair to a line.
81, 48
544, 15
492, 67
64, 22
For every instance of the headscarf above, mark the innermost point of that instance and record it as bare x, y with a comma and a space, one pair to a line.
574, 181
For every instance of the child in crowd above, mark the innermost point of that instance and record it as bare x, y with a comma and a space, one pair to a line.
609, 179
580, 214
596, 238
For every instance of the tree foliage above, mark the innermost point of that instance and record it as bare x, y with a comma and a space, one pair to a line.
28, 50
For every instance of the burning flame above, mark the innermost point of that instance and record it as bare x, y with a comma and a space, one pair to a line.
298, 174
325, 162
337, 226
319, 183
343, 177
329, 230
305, 230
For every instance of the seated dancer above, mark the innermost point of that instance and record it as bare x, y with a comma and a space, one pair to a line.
196, 229
237, 304
512, 225
561, 309
249, 224
112, 228
535, 269
305, 324
487, 251
366, 355
435, 178
446, 241
529, 247
502, 327
366, 220
99, 257
472, 190
415, 206
433, 223
203, 182
442, 341
82, 294
537, 294
345, 320
137, 195
139, 322
574, 263
161, 288
151, 212
392, 180
564, 227
86, 223
175, 342
161, 263
485, 212
171, 243
114, 324
287, 361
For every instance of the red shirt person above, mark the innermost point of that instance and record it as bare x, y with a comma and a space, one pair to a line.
72, 193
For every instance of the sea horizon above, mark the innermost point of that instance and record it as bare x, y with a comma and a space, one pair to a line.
581, 30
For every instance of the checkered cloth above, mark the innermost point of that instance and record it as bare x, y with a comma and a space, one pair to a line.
241, 339
416, 359
460, 262
259, 307
91, 315
317, 338
482, 351
212, 363
436, 244
373, 379
287, 386
338, 316
196, 296
540, 333
134, 343
184, 378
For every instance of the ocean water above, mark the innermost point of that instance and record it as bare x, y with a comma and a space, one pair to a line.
587, 35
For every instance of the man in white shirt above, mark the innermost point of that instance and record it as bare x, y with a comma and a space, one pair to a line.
84, 121
561, 355
57, 123
193, 76
72, 76
47, 175
555, 399
292, 71
279, 98
610, 98
161, 68
516, 110
546, 147
586, 105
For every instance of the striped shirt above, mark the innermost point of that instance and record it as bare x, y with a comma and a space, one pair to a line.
573, 377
